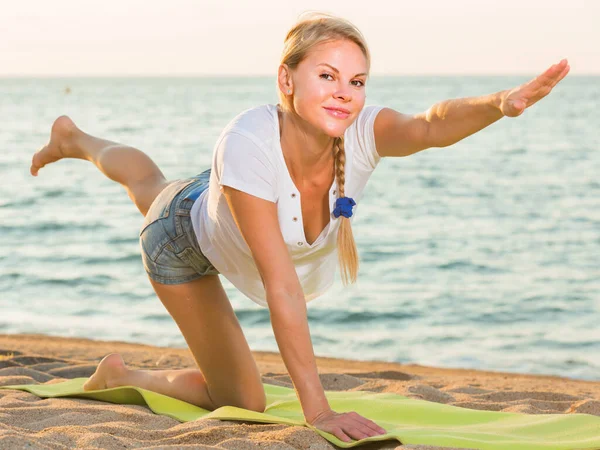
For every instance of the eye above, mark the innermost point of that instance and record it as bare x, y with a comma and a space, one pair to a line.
324, 75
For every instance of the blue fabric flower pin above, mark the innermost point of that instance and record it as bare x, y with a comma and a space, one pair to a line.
343, 206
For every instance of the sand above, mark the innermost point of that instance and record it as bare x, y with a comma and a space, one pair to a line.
27, 421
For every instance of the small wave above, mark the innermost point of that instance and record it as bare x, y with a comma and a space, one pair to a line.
87, 260
124, 129
156, 317
432, 182
466, 265
11, 276
550, 310
523, 315
16, 203
253, 316
439, 339
55, 193
516, 151
52, 226
345, 317
377, 256
550, 343
384, 343
87, 313
14, 278
501, 317
319, 339
577, 362
98, 280
123, 240
132, 257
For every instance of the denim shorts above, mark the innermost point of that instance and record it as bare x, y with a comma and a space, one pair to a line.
170, 249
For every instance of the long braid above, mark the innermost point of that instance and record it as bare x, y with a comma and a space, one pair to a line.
347, 253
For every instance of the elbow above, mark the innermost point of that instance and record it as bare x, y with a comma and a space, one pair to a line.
285, 303
433, 139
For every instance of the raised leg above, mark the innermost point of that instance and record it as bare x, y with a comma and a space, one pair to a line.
228, 374
126, 165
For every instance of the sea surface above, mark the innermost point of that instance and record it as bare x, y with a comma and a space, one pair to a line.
484, 254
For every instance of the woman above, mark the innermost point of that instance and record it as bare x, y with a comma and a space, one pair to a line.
270, 213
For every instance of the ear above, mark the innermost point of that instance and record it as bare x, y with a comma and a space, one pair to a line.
284, 79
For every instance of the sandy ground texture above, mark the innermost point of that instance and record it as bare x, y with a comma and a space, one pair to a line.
27, 421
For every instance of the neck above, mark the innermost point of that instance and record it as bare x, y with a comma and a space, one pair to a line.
307, 151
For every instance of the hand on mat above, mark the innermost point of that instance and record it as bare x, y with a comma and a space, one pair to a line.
346, 425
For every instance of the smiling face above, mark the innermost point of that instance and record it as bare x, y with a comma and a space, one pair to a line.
333, 75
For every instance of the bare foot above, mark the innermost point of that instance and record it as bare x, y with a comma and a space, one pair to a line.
109, 373
60, 145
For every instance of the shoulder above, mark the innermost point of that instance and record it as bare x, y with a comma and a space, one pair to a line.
257, 122
365, 119
360, 138
361, 131
250, 134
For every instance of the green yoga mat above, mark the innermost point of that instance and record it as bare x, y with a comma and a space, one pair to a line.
408, 420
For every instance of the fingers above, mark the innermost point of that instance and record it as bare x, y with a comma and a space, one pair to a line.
554, 74
563, 74
350, 425
368, 423
339, 433
560, 71
358, 427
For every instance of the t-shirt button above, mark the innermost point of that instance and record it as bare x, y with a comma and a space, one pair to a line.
334, 192
293, 195
295, 219
300, 243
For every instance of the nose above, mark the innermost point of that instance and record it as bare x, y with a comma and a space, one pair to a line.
343, 93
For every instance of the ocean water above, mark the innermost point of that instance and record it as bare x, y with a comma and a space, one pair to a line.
484, 254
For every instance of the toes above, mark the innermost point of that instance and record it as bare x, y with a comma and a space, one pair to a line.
94, 383
34, 169
36, 165
86, 385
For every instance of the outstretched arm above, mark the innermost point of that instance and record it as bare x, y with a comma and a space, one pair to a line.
450, 121
453, 120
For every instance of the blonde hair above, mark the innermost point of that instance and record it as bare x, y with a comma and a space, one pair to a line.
312, 29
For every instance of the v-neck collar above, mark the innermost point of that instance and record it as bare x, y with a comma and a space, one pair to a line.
325, 231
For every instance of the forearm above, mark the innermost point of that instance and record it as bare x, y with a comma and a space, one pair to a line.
455, 119
290, 326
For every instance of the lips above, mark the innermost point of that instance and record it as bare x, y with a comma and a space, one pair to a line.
335, 108
340, 113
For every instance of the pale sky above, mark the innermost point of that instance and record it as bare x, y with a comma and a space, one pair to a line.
242, 37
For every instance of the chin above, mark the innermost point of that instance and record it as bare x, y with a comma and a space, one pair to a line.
336, 129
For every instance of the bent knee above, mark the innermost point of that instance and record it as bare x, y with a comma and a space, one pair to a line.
255, 403
258, 405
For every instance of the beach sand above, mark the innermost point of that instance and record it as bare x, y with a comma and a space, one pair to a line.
32, 422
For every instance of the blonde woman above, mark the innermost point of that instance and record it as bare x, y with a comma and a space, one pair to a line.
272, 215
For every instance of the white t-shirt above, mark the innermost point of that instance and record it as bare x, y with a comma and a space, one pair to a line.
248, 157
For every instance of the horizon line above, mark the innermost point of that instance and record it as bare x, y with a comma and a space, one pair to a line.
230, 75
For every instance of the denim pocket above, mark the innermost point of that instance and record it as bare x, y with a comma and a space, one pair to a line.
154, 238
191, 257
161, 206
